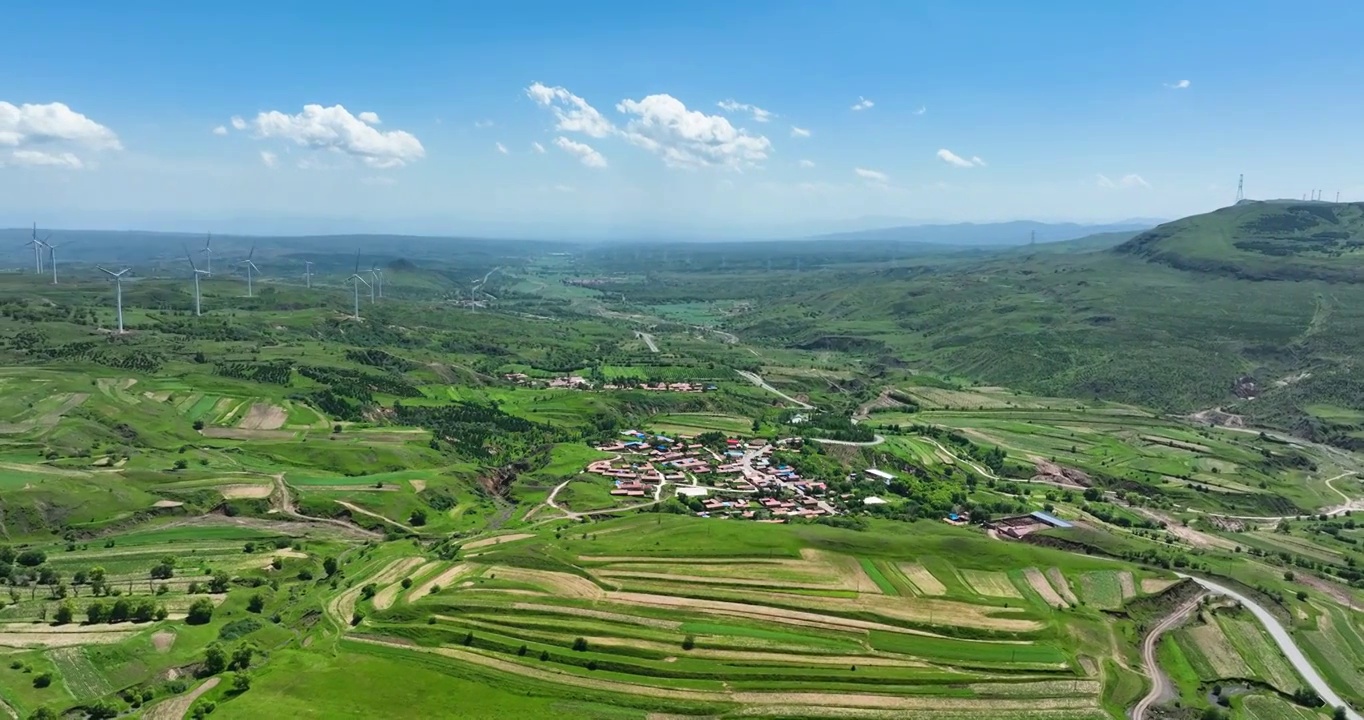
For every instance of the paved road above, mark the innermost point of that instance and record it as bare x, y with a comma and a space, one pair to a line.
1285, 643
876, 440
1160, 685
757, 379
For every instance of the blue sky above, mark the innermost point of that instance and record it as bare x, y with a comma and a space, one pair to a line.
1001, 110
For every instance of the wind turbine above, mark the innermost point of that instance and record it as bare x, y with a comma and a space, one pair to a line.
197, 273
38, 246
52, 255
118, 284
249, 267
355, 276
308, 273
378, 274
207, 252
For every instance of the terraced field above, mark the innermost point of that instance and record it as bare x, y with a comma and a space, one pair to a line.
832, 631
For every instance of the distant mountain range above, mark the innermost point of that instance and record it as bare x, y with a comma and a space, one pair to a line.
983, 235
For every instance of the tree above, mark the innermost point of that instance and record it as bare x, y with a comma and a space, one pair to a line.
121, 611
688, 642
198, 425
406, 583
181, 464
417, 518
215, 659
241, 683
580, 644
161, 613
31, 558
144, 611
43, 680
241, 657
64, 613
218, 583
200, 613
256, 603
162, 571
96, 613
43, 713
1339, 713
329, 566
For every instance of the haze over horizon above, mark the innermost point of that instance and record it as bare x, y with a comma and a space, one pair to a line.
764, 119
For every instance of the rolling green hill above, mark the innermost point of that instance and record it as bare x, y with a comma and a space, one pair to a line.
1274, 240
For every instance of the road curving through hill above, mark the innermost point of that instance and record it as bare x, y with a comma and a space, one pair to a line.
1286, 643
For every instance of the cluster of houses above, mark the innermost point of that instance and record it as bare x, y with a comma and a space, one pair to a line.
578, 382
763, 488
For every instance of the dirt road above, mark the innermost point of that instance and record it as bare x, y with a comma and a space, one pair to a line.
1160, 685
648, 340
757, 379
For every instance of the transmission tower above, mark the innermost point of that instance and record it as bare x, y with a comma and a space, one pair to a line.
1241, 188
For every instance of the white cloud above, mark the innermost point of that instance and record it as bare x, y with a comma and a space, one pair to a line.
807, 163
480, 124
501, 148
1130, 180
690, 138
335, 128
39, 158
800, 132
238, 122
872, 175
369, 117
759, 114
537, 147
1181, 85
27, 124
220, 130
270, 159
862, 103
952, 158
922, 109
585, 153
572, 113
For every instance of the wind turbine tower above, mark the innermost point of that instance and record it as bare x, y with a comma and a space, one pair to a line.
250, 266
378, 277
118, 292
308, 273
207, 252
356, 279
198, 308
38, 246
52, 256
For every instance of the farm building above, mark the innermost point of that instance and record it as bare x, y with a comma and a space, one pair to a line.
873, 500
693, 491
1020, 525
882, 475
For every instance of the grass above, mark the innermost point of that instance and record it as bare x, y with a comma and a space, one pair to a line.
699, 423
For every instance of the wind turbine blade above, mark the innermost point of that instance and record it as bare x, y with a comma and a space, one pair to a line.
357, 261
108, 272
252, 253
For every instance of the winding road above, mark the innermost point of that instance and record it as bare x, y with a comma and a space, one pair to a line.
1286, 644
1160, 685
648, 340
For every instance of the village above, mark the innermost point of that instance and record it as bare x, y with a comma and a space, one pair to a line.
739, 480
578, 382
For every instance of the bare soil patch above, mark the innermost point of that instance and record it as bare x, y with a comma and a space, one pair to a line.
600, 615
922, 579
443, 580
60, 639
162, 640
1152, 586
1128, 584
167, 503
1223, 658
384, 599
991, 584
176, 707
1062, 586
242, 492
244, 434
561, 584
848, 570
1044, 588
496, 540
417, 485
